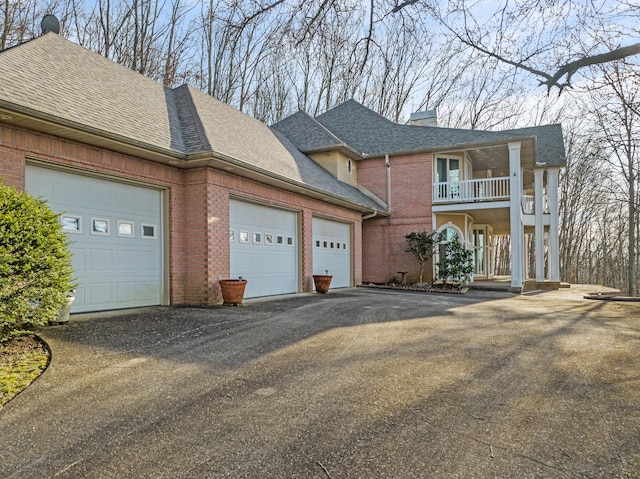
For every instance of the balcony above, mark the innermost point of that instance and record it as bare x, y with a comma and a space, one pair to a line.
469, 191
529, 204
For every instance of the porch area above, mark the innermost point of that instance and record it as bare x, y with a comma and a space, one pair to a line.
503, 283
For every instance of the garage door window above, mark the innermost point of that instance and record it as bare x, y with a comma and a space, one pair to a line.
100, 226
268, 239
71, 223
148, 231
126, 229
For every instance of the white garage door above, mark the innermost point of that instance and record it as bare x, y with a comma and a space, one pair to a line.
116, 237
263, 248
332, 251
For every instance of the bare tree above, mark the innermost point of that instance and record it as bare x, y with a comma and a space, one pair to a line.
177, 43
583, 197
533, 35
613, 102
20, 19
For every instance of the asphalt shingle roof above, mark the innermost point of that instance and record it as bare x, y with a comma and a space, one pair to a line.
307, 133
54, 77
371, 134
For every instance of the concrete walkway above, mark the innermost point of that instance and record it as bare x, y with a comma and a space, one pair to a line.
354, 384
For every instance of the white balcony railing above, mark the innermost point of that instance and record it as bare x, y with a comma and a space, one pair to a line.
529, 204
465, 191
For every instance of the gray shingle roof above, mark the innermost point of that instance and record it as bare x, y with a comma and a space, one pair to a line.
306, 132
549, 143
55, 77
372, 134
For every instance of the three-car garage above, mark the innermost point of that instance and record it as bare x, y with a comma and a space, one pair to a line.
117, 239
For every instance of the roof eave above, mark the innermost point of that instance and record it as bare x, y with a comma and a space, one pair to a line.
115, 142
457, 147
342, 147
237, 167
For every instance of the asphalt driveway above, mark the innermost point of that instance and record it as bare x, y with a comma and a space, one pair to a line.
355, 384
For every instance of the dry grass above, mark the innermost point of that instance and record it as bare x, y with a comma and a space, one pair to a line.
22, 360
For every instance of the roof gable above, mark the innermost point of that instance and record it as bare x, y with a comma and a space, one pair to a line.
54, 79
306, 132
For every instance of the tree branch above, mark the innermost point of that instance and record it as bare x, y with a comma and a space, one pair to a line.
259, 12
402, 5
570, 68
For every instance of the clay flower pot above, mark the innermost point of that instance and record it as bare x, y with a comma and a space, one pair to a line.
322, 282
232, 291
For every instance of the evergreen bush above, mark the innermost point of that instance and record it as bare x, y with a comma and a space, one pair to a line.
457, 262
35, 263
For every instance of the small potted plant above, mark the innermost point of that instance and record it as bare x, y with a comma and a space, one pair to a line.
322, 282
232, 291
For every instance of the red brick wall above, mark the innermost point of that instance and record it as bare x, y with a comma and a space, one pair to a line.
225, 184
384, 242
16, 145
197, 204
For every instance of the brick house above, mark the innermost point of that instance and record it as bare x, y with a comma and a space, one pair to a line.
164, 191
468, 183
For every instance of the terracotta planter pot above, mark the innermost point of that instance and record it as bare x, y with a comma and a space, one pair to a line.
322, 282
232, 291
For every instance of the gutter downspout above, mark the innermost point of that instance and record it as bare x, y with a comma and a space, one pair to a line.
371, 215
388, 163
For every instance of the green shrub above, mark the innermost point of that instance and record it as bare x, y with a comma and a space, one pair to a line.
35, 263
457, 262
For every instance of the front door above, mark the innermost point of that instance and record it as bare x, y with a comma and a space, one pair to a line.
482, 238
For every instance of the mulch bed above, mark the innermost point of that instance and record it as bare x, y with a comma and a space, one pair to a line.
19, 345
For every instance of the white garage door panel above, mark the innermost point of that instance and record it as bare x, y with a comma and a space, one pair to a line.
263, 248
332, 251
100, 293
113, 269
126, 291
126, 260
100, 260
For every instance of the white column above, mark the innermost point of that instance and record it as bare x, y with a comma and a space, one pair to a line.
515, 216
539, 225
525, 257
554, 228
